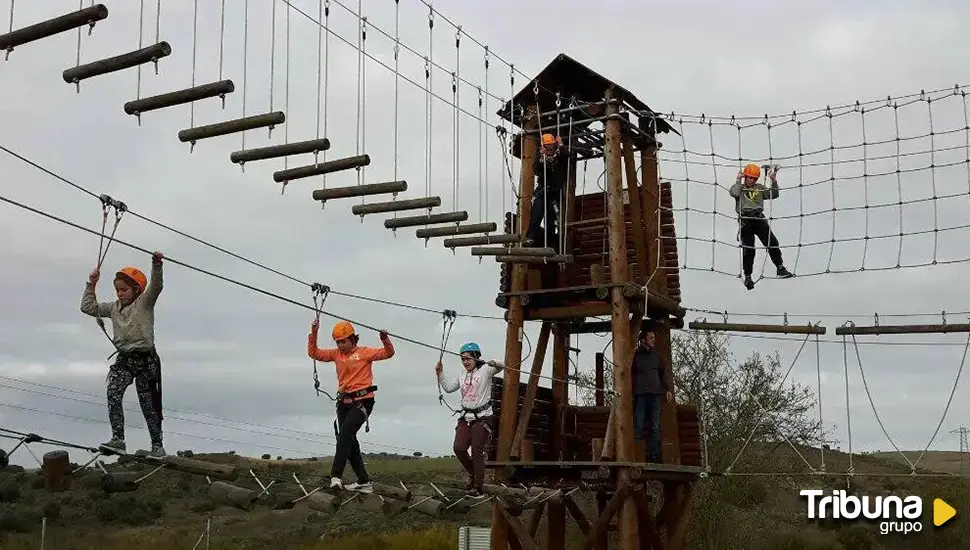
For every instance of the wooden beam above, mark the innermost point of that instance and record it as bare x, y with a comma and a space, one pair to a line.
513, 335
676, 528
535, 519
577, 513
669, 428
560, 389
622, 350
602, 523
556, 526
649, 537
636, 211
567, 313
650, 193
901, 329
515, 526
530, 391
748, 327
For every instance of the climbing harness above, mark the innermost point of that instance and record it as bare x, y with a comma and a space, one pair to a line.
351, 398
320, 293
449, 317
119, 210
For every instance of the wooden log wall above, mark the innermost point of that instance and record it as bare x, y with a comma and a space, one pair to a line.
668, 240
539, 430
584, 424
689, 432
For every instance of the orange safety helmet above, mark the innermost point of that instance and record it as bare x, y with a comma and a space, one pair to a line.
134, 275
549, 139
752, 171
341, 330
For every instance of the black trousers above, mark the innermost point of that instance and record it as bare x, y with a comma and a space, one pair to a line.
756, 225
144, 368
350, 418
544, 204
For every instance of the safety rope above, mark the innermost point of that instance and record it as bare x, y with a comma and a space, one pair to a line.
119, 211
449, 316
320, 293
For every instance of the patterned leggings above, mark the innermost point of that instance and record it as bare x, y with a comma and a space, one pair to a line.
144, 368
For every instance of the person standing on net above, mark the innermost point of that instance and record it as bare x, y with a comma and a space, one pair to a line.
651, 381
749, 197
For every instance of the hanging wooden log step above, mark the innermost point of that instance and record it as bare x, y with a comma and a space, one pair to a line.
117, 63
232, 495
321, 168
514, 251
509, 259
481, 240
180, 97
231, 126
50, 27
275, 151
467, 229
395, 206
427, 219
120, 482
325, 195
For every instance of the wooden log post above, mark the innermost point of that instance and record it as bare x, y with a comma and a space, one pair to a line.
428, 507
600, 379
227, 472
669, 428
57, 471
555, 509
636, 210
513, 334
650, 193
622, 342
531, 389
120, 482
323, 502
228, 494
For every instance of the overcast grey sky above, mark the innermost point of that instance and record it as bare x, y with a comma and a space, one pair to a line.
234, 354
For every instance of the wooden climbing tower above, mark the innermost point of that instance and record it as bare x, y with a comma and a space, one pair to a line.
617, 259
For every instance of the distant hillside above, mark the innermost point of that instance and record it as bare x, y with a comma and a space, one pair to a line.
751, 512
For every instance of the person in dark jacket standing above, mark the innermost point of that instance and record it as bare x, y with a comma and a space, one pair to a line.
650, 381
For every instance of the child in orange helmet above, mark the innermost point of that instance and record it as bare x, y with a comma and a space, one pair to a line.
355, 395
133, 326
749, 196
474, 427
551, 169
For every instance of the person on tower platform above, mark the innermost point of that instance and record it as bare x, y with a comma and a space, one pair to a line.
551, 169
749, 197
651, 381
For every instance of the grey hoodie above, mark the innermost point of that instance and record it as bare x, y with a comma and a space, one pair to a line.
133, 326
750, 200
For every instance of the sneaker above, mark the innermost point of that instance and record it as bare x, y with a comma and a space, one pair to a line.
116, 444
158, 451
475, 494
365, 487
336, 483
748, 283
784, 273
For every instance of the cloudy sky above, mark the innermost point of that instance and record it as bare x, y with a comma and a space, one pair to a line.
236, 375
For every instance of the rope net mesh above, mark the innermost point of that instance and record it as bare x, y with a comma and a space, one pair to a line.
870, 186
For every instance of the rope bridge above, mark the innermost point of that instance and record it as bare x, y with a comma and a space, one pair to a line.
868, 186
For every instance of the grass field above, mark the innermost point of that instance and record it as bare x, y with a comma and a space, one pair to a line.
737, 512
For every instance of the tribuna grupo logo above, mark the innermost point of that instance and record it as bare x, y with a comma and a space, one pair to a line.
894, 514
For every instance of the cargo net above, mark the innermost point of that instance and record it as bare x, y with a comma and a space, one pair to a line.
867, 186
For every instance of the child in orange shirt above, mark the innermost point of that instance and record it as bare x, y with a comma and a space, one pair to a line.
355, 395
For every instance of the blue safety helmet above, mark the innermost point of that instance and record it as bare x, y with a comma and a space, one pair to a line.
470, 346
